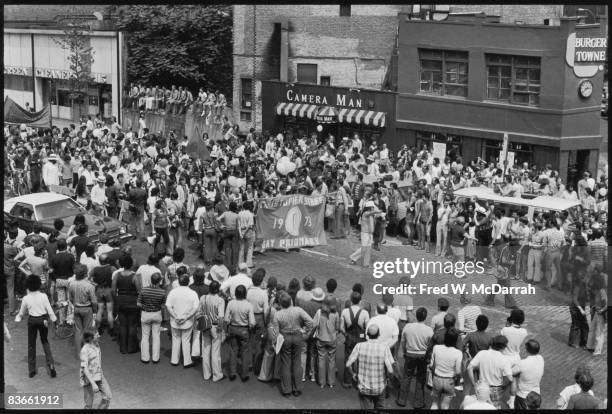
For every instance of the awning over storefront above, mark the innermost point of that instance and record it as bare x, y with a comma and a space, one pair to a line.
360, 116
296, 109
327, 114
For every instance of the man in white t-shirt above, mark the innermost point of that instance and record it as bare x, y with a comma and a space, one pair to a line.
494, 369
145, 271
242, 278
530, 371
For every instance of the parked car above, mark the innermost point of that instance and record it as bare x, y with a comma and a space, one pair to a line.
44, 208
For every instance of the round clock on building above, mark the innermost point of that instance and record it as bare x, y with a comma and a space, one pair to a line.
585, 89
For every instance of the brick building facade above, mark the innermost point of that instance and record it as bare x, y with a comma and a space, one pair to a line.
350, 51
352, 46
466, 82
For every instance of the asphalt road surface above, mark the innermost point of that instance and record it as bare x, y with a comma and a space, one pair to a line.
135, 385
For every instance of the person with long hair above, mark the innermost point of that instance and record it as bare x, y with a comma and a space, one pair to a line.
292, 290
326, 323
213, 305
82, 192
599, 311
36, 305
125, 299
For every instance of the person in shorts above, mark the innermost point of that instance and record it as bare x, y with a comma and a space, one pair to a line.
446, 368
102, 276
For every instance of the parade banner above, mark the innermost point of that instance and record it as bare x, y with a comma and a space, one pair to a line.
292, 221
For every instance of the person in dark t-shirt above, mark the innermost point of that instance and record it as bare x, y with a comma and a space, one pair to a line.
102, 276
62, 265
80, 241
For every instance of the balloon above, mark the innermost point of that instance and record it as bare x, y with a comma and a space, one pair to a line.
285, 166
319, 128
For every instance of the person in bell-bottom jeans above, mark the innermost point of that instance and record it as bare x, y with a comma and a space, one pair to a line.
214, 306
599, 307
150, 301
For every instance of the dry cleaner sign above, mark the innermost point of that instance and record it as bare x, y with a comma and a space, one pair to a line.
586, 54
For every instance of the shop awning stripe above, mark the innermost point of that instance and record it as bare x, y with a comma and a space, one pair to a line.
312, 110
351, 115
296, 109
288, 108
376, 119
368, 117
359, 116
379, 119
280, 107
342, 114
303, 110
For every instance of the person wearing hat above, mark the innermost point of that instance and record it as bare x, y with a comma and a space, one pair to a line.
50, 172
228, 287
98, 196
310, 299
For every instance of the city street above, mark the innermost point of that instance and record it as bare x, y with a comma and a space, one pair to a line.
135, 385
476, 125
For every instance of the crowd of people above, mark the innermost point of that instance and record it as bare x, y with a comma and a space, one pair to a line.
170, 197
175, 101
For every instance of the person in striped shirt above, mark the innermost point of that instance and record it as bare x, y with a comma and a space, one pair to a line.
466, 318
552, 239
150, 301
599, 249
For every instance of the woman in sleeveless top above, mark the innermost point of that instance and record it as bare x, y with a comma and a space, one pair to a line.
125, 297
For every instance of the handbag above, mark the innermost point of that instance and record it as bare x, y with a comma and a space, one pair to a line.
205, 322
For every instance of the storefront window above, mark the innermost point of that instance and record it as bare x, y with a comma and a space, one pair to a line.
522, 152
453, 143
63, 98
444, 72
18, 83
514, 79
